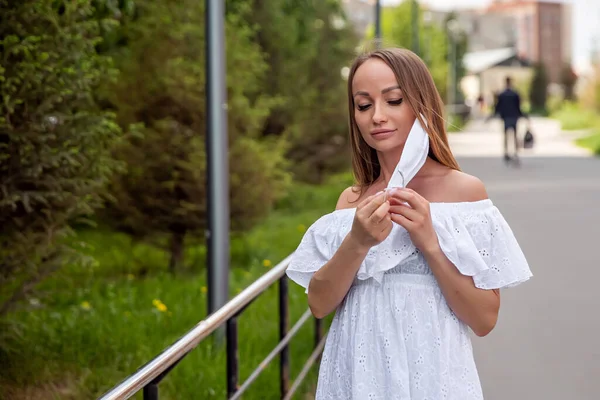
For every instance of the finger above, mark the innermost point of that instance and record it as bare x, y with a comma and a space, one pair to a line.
368, 200
394, 201
406, 211
373, 205
365, 202
411, 197
402, 221
386, 225
380, 214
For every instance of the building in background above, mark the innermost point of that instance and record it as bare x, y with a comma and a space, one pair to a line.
507, 38
543, 31
487, 71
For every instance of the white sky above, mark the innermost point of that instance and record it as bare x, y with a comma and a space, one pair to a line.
586, 22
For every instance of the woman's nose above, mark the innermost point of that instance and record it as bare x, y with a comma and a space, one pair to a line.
379, 114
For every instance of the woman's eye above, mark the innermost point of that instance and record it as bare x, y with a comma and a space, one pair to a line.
363, 107
395, 102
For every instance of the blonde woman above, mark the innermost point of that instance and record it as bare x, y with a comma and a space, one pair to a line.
415, 253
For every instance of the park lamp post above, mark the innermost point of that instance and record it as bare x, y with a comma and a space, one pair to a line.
217, 161
427, 19
378, 23
453, 28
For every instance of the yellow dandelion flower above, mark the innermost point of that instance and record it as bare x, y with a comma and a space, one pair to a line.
301, 228
161, 307
156, 302
86, 305
203, 289
267, 263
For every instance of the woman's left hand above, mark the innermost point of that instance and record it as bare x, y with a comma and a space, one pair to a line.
414, 217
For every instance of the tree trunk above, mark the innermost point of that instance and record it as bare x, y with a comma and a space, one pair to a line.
177, 248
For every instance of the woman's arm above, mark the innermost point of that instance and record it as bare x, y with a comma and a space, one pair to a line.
329, 285
478, 308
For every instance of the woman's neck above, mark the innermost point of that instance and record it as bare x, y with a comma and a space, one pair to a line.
388, 163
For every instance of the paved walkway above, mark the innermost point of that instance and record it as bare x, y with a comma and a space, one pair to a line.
480, 138
546, 344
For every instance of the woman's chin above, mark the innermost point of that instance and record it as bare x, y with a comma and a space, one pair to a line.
387, 146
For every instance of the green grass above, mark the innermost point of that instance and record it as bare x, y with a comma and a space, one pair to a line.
591, 142
93, 327
573, 117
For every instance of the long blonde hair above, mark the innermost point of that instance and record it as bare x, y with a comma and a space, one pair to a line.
420, 93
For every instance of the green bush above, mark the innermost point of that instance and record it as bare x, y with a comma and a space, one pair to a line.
573, 117
163, 192
54, 141
591, 142
307, 43
538, 91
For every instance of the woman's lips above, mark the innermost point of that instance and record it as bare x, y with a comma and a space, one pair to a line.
380, 134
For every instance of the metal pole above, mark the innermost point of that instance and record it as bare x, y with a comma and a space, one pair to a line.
451, 29
233, 369
453, 76
415, 26
427, 17
378, 23
284, 322
217, 160
150, 392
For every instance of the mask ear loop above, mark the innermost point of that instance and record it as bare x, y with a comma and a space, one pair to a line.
403, 185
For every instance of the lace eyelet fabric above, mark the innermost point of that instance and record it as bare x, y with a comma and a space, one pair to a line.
394, 336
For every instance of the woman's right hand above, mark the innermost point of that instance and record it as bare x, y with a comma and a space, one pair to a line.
372, 222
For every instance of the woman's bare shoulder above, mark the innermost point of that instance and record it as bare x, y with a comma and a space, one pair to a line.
349, 198
462, 187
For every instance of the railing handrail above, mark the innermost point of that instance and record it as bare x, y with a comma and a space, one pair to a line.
190, 340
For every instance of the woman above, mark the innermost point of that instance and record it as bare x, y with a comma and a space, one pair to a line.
413, 256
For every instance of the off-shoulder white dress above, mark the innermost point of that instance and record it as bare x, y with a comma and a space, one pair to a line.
394, 336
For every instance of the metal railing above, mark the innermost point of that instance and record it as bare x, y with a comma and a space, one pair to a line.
151, 374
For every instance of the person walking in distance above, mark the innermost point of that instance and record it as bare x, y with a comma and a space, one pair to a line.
508, 108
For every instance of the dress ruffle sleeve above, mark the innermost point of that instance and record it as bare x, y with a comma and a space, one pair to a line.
473, 235
316, 248
481, 244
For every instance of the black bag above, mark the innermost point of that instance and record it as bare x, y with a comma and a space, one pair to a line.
528, 140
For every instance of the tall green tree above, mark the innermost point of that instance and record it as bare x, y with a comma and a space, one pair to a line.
55, 142
538, 91
568, 79
307, 43
434, 42
460, 41
161, 98
397, 30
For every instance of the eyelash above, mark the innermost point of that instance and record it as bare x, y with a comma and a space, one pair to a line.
392, 102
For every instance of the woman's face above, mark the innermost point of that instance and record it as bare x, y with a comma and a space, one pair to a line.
383, 117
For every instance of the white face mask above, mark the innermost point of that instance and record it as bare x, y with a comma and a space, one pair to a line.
414, 155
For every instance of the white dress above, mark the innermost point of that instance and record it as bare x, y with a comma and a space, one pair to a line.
394, 336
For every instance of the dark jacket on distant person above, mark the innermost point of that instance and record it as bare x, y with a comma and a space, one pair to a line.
508, 106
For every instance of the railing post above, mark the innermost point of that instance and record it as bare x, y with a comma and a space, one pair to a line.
151, 391
284, 322
318, 331
232, 356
